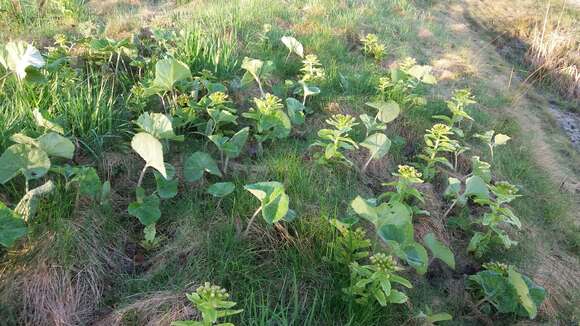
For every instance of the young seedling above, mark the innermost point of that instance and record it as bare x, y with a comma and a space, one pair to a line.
378, 144
437, 141
457, 105
375, 281
492, 140
273, 203
351, 245
271, 122
334, 141
372, 47
429, 318
230, 147
256, 70
213, 303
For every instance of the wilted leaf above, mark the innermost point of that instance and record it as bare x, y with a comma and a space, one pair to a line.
293, 45
387, 111
19, 55
501, 139
157, 125
150, 150
523, 292
167, 73
44, 123
378, 145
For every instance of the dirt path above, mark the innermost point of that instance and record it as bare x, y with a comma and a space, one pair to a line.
555, 269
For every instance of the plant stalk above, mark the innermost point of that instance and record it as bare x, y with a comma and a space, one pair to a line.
247, 231
141, 176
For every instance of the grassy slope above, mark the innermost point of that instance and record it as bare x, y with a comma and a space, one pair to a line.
290, 283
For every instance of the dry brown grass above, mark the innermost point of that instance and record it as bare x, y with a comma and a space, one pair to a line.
47, 291
544, 34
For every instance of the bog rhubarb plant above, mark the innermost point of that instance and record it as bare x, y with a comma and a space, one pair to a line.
334, 141
213, 303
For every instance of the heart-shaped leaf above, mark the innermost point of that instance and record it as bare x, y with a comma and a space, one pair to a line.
12, 227
523, 292
293, 45
416, 256
197, 164
475, 186
221, 189
233, 147
387, 111
378, 145
150, 150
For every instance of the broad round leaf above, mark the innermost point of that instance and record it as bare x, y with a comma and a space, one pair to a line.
387, 111
12, 227
166, 187
475, 186
147, 210
150, 150
32, 162
56, 145
221, 189
197, 164
378, 145
233, 147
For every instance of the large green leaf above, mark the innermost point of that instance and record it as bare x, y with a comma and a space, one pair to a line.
295, 110
146, 209
150, 150
167, 73
388, 111
56, 145
364, 209
439, 250
12, 227
157, 125
293, 45
397, 297
197, 164
233, 147
221, 189
400, 234
378, 145
523, 292
416, 256
18, 56
166, 187
475, 186
32, 162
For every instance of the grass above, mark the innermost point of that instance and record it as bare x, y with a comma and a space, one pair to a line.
275, 281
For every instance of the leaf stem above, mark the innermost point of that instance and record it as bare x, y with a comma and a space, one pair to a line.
142, 175
252, 221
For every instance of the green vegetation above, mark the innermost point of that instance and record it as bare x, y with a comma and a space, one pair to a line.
147, 157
